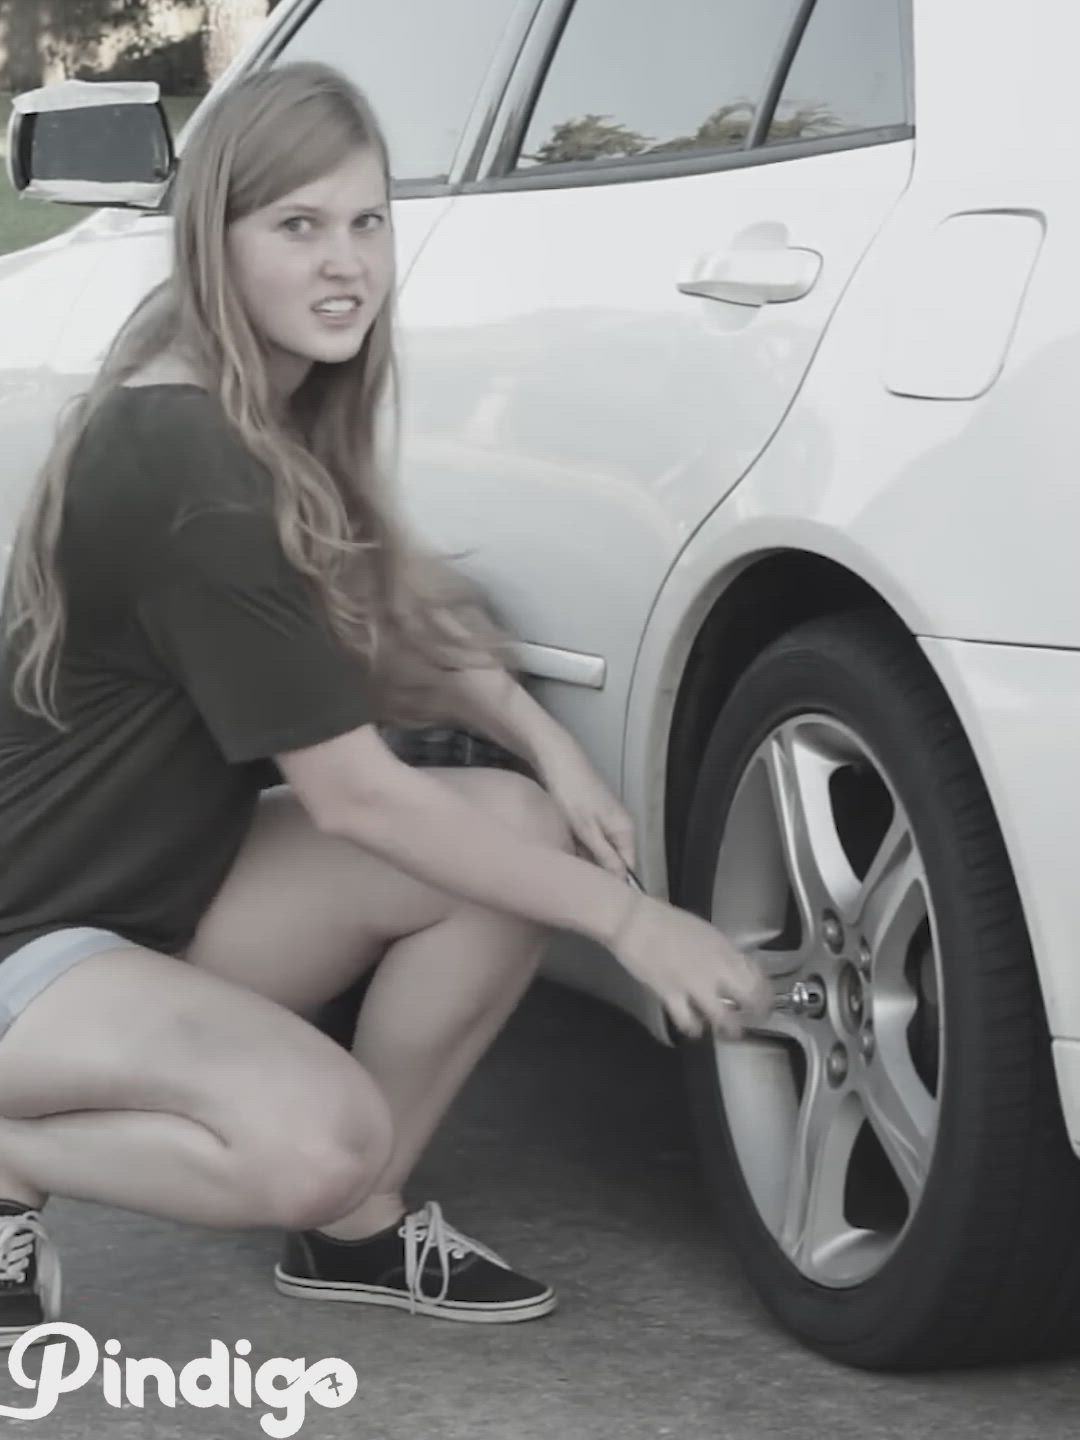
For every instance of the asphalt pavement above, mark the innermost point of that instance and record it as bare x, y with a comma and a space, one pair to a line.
570, 1153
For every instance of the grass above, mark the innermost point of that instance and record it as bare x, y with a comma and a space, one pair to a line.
26, 222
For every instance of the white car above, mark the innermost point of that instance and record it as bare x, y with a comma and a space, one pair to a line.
741, 344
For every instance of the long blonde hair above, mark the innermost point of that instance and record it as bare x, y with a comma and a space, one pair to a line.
410, 615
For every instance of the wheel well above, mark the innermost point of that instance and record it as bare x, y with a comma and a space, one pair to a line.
773, 595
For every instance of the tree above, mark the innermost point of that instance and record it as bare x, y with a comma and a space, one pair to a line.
42, 41
804, 122
230, 24
590, 138
21, 45
595, 137
725, 129
728, 127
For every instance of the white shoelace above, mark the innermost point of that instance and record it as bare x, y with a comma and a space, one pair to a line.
424, 1231
20, 1235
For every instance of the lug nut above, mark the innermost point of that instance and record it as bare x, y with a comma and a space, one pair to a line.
836, 1065
833, 933
806, 997
866, 1042
812, 995
864, 959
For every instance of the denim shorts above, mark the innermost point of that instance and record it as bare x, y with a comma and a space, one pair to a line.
29, 970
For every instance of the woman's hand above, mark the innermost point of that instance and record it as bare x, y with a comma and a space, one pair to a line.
600, 824
699, 975
693, 968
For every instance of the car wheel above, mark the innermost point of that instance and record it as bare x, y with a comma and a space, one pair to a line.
889, 1150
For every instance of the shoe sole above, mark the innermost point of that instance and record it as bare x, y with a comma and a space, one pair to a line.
437, 1310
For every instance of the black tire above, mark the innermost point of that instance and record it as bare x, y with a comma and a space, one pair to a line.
988, 1268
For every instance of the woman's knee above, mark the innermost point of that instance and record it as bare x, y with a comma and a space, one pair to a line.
321, 1158
307, 1131
518, 801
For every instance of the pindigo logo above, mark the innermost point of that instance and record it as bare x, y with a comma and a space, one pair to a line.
217, 1381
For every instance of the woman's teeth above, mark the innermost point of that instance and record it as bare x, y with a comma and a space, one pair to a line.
336, 307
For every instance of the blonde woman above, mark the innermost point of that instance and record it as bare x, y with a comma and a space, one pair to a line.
209, 595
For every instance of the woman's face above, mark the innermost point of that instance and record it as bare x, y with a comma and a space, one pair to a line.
314, 268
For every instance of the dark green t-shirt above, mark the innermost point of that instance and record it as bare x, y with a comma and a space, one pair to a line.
194, 653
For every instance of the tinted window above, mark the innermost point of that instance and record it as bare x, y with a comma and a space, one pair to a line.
655, 77
420, 64
848, 74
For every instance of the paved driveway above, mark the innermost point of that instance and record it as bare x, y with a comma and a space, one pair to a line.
570, 1151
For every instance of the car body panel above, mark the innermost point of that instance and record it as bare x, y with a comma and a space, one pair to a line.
894, 485
1020, 709
1067, 1067
571, 417
961, 514
953, 323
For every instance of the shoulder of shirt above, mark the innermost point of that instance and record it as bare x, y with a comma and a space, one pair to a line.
185, 445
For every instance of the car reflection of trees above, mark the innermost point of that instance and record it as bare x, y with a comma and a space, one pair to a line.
598, 137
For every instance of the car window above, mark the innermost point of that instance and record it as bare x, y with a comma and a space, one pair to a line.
641, 78
420, 64
848, 74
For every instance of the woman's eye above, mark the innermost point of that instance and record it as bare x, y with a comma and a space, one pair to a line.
371, 220
296, 224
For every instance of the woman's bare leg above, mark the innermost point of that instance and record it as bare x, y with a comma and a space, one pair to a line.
303, 914
136, 1081
164, 1165
435, 1005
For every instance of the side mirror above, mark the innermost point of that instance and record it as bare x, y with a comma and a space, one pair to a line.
92, 143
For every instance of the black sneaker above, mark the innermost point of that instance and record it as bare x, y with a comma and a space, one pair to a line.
421, 1264
29, 1274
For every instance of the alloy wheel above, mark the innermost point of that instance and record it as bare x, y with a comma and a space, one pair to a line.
833, 1103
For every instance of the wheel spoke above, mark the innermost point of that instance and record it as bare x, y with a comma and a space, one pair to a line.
893, 903
780, 1025
902, 1113
813, 855
761, 1098
895, 847
774, 963
825, 1133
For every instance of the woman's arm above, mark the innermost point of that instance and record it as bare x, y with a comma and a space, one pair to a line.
355, 788
490, 702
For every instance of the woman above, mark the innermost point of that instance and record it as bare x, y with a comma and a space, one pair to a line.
209, 594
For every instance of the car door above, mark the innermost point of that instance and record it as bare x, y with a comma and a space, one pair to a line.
617, 312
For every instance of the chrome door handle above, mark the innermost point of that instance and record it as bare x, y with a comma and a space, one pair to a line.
756, 277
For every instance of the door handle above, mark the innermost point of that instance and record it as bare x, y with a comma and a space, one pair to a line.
756, 277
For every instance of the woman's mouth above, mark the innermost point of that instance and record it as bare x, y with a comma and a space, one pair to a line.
340, 311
